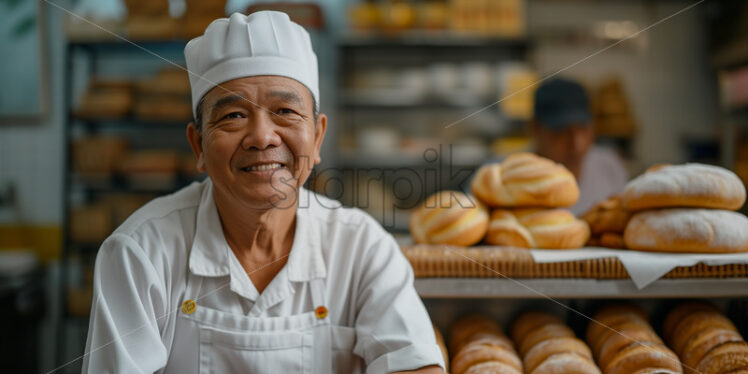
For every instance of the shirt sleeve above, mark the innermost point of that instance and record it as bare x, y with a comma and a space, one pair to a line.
393, 329
128, 306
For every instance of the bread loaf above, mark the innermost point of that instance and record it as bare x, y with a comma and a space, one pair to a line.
525, 180
607, 216
688, 230
689, 185
492, 367
568, 362
724, 358
536, 228
449, 217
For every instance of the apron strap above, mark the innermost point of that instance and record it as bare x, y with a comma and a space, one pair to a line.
322, 332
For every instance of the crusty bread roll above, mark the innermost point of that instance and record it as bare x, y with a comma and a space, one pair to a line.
542, 333
724, 358
615, 329
689, 185
623, 338
537, 228
541, 351
492, 367
701, 343
610, 316
688, 230
695, 323
475, 326
612, 240
607, 216
681, 311
639, 356
449, 217
530, 320
568, 362
525, 180
474, 354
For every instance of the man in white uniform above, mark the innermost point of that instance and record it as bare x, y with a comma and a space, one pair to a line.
248, 272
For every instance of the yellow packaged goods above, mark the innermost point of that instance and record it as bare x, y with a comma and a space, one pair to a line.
525, 180
688, 230
689, 185
449, 217
98, 156
537, 228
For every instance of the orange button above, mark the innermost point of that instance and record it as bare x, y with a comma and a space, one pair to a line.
189, 306
321, 312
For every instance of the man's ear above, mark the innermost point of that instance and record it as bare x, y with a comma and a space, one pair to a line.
319, 136
196, 143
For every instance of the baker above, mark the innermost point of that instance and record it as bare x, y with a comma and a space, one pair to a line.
248, 272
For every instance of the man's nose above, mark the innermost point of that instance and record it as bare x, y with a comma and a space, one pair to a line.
261, 132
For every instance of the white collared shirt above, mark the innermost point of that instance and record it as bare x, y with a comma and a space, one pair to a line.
141, 271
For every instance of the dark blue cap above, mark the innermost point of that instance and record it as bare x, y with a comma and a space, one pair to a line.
560, 103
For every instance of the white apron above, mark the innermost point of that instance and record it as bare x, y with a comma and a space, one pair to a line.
207, 340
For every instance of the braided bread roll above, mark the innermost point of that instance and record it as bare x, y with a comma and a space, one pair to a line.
449, 217
524, 179
689, 185
536, 228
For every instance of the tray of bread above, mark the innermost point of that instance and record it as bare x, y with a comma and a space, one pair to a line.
620, 338
673, 221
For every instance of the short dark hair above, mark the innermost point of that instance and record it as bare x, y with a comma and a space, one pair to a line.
199, 112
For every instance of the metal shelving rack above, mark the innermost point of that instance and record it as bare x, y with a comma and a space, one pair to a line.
93, 50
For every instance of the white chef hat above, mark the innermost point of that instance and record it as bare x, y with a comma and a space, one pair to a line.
262, 43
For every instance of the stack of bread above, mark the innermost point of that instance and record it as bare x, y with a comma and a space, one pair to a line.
705, 340
607, 221
479, 346
624, 342
548, 346
686, 208
526, 193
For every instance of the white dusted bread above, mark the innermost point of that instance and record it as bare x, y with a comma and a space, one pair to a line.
525, 180
537, 228
688, 230
689, 185
449, 217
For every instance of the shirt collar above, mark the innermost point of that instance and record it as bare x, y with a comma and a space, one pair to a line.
210, 252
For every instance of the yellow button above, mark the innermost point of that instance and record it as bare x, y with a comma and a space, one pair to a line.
320, 312
189, 306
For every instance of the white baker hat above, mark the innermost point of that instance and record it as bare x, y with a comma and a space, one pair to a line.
262, 43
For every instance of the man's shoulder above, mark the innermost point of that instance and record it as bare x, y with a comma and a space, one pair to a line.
334, 215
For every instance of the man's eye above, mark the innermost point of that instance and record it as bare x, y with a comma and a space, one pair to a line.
285, 111
232, 115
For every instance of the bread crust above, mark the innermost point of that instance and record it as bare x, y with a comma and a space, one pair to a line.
492, 367
541, 351
542, 333
525, 180
569, 362
639, 356
681, 311
688, 230
700, 344
625, 337
530, 320
449, 217
724, 358
473, 354
537, 228
689, 185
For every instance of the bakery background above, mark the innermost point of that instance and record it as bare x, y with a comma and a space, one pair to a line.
91, 127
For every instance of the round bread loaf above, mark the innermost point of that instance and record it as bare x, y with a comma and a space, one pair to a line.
569, 362
688, 230
465, 327
525, 180
623, 338
492, 367
615, 329
639, 356
689, 185
542, 333
612, 316
541, 351
724, 358
695, 323
607, 216
537, 228
449, 217
473, 354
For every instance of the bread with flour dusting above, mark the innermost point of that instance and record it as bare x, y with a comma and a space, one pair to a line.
449, 217
688, 230
689, 185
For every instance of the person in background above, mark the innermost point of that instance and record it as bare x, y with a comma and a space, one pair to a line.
562, 130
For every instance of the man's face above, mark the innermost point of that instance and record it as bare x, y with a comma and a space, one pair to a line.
258, 140
567, 146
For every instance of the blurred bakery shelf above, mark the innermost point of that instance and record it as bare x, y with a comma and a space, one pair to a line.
430, 39
578, 288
